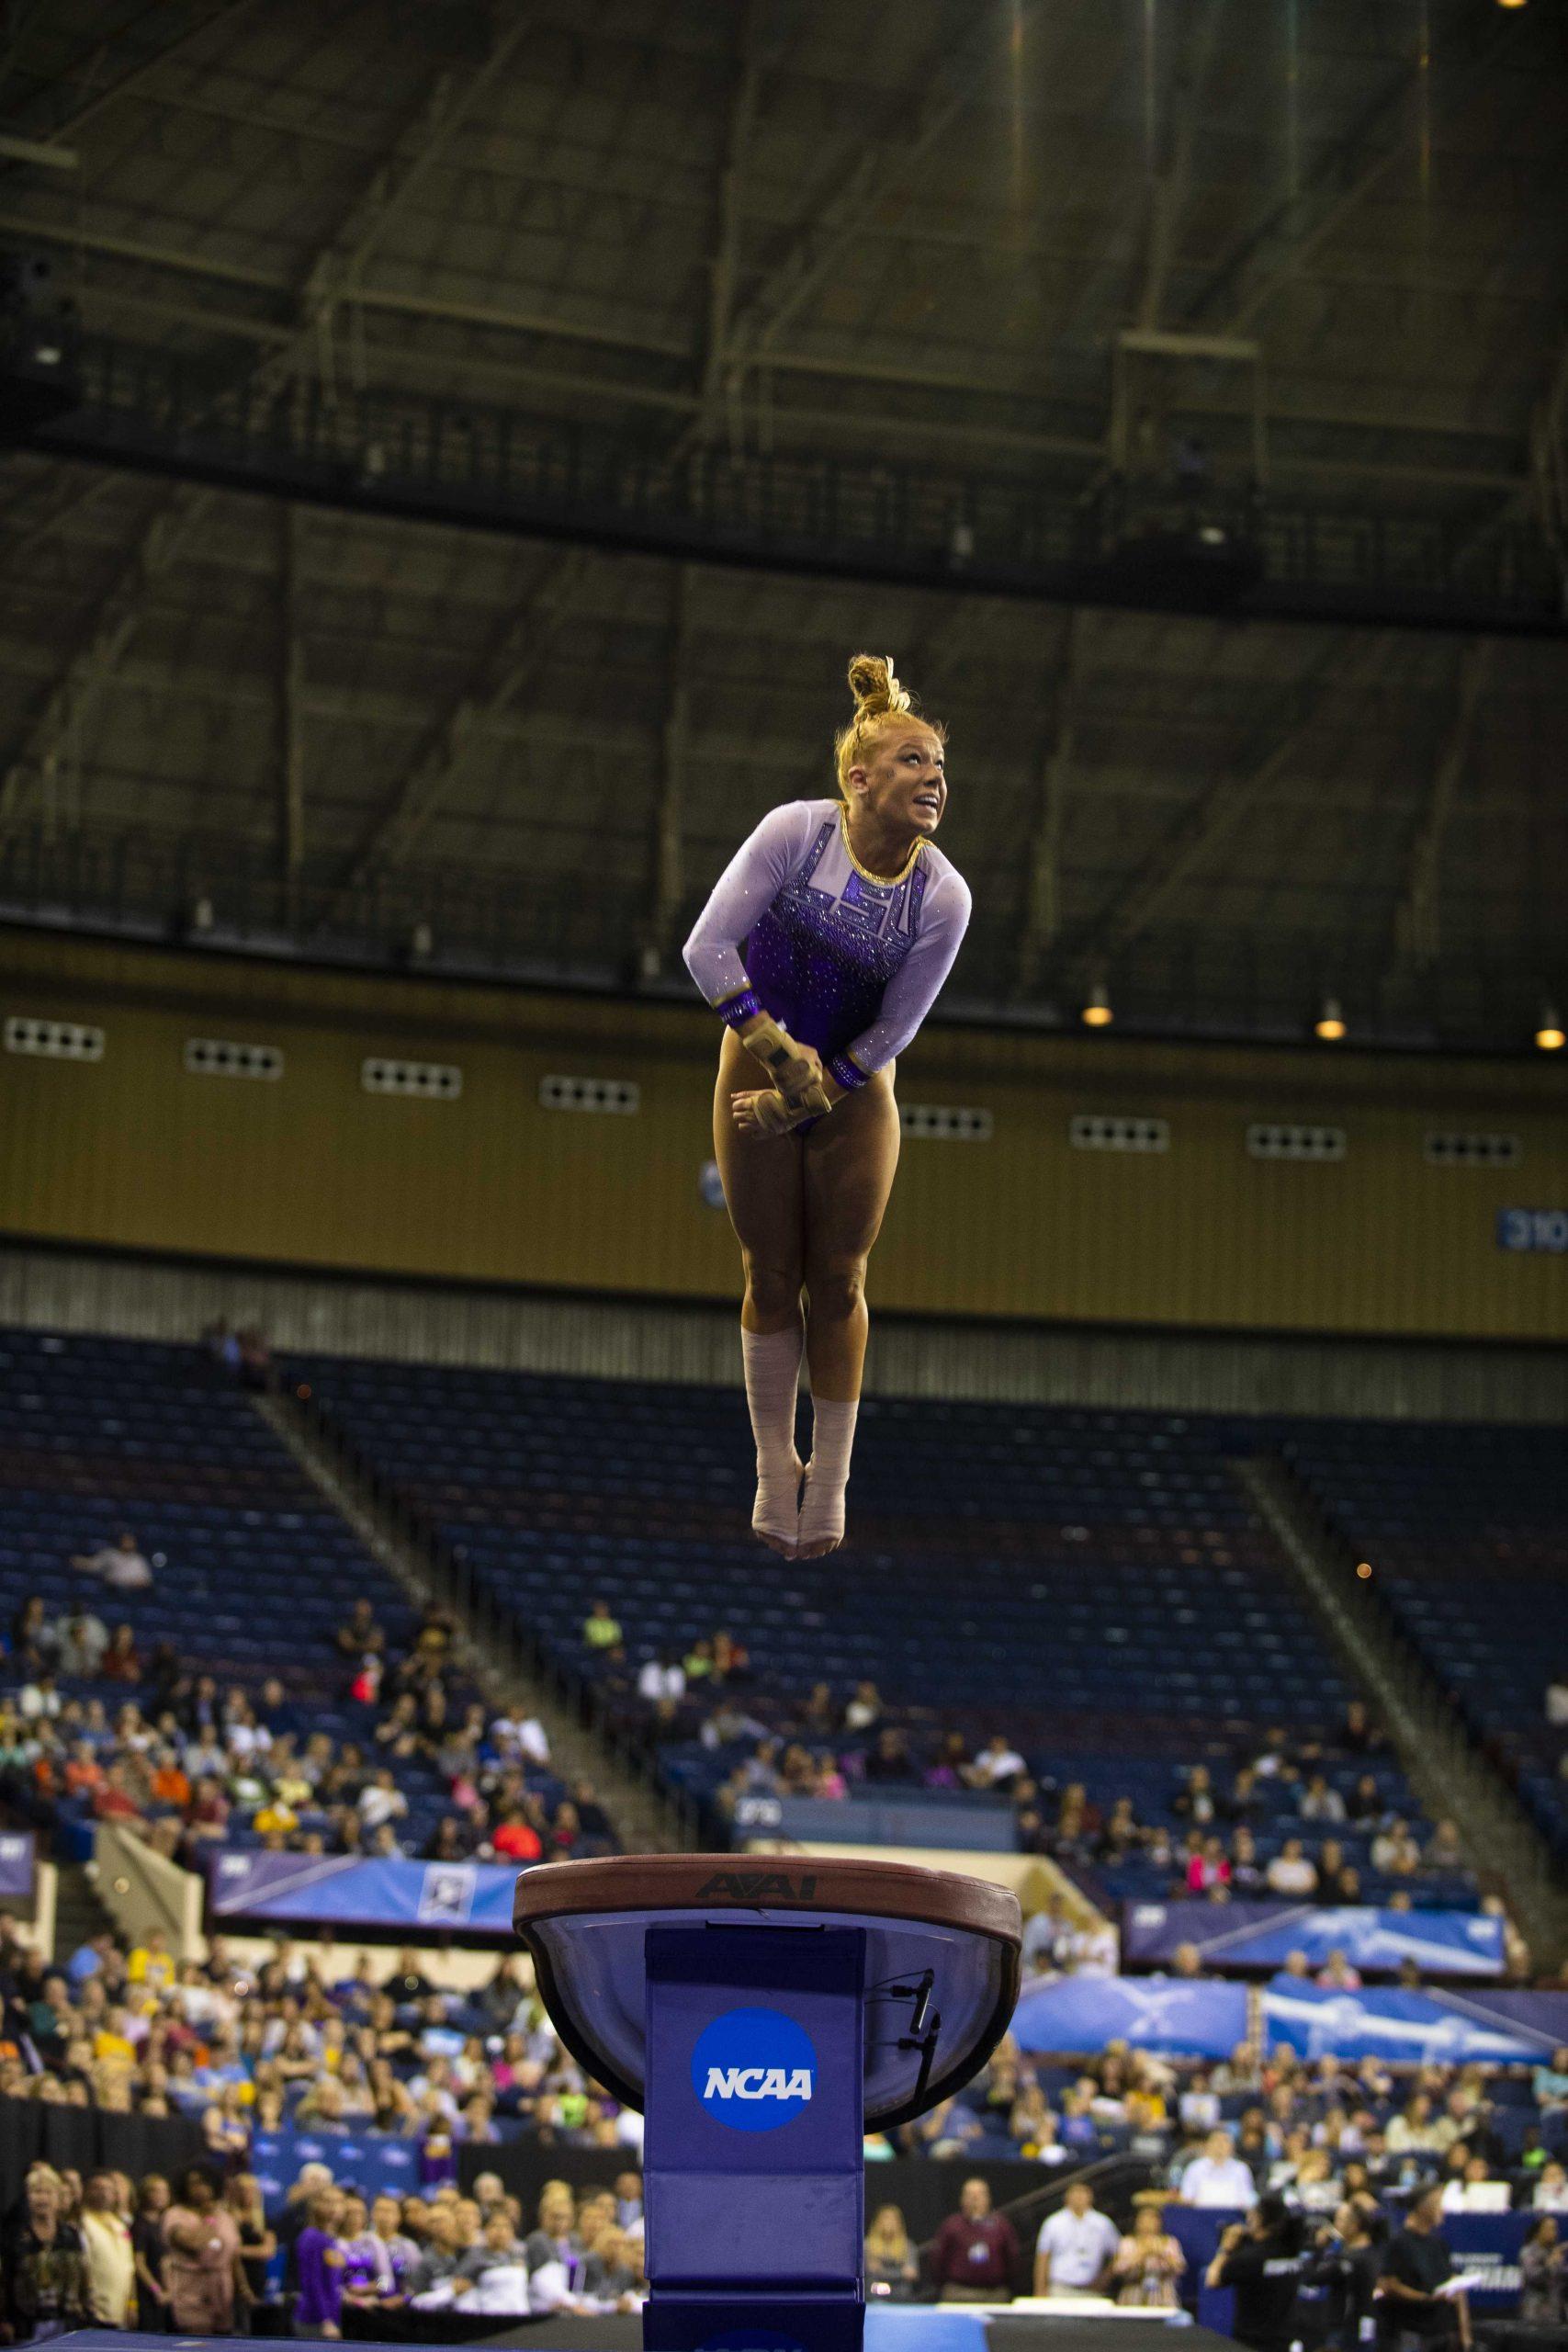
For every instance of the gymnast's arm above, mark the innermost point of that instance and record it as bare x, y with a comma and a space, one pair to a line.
910, 993
744, 892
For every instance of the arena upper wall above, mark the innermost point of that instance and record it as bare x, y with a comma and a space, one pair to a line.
485, 1188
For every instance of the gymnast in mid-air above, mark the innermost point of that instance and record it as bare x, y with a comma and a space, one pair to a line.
823, 947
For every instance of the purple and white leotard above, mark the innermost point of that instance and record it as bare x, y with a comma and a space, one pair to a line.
847, 961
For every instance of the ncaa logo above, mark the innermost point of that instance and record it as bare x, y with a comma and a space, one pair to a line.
753, 2069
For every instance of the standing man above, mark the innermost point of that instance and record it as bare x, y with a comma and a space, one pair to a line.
1076, 2246
975, 2254
1415, 2269
1218, 2177
110, 2259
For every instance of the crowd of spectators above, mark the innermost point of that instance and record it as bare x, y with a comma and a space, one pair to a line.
307, 2038
1315, 1816
201, 2256
91, 1730
1338, 2177
1225, 2134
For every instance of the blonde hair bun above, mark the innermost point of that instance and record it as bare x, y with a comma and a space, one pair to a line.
876, 686
879, 699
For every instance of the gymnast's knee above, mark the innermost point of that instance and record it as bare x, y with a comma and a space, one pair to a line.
836, 1286
772, 1286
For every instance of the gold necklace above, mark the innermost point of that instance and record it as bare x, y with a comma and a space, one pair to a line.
882, 881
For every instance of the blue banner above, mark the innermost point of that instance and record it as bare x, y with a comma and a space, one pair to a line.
341, 1891
377, 2163
18, 1855
1264, 1934
1082, 2013
1415, 2029
881, 1820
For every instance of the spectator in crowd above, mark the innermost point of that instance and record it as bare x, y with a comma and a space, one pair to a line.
1149, 2265
1395, 1853
258, 2241
1319, 1802
998, 1765
1076, 2247
318, 2265
1415, 2130
1543, 2275
1444, 1850
1550, 2193
43, 2264
974, 2253
201, 2253
1348, 2263
1418, 2268
108, 2253
554, 2239
892, 2265
1550, 2084
1219, 2177
601, 1629
1292, 1871
1261, 2260
122, 1564
152, 2201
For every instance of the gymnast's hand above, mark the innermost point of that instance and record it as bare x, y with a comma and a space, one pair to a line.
793, 1068
766, 1112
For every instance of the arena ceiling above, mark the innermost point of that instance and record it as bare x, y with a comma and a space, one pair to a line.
910, 227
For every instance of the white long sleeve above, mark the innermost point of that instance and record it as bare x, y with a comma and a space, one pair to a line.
750, 883
916, 985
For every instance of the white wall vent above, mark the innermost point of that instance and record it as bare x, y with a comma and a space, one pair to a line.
60, 1041
1274, 1140
620, 1096
1103, 1131
381, 1075
1474, 1151
221, 1058
945, 1121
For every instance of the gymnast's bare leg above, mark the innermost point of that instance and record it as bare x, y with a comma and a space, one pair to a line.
807, 1210
850, 1161
764, 1190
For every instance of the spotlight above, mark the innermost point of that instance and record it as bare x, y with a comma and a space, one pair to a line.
1363, 1570
1330, 1023
1549, 1035
1512, 3
1096, 1013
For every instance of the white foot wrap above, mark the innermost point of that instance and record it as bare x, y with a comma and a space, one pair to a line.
827, 1474
773, 1379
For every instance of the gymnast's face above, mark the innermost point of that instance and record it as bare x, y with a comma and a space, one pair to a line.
904, 780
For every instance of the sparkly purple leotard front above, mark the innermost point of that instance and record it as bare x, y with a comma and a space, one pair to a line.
849, 962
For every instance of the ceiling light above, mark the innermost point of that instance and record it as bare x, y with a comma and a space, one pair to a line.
1511, 4
1549, 1035
1096, 1013
1330, 1023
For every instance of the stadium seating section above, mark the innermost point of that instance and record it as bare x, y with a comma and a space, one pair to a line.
253, 1573
1095, 1584
1466, 1530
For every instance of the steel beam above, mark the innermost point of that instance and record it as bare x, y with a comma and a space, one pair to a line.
1168, 192
511, 666
36, 749
1054, 769
669, 872
293, 689
1139, 900
1416, 943
135, 77
884, 173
